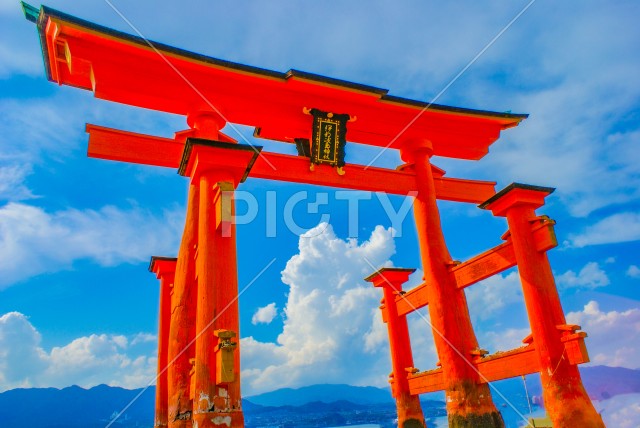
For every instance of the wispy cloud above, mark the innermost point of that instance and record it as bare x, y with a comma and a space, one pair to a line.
49, 132
582, 96
504, 340
488, 298
12, 182
34, 241
621, 411
33, 127
620, 227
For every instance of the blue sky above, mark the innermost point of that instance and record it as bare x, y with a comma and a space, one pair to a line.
77, 304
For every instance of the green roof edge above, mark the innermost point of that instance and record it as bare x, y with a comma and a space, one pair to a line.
30, 12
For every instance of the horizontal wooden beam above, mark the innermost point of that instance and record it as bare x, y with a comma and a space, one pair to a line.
425, 382
412, 300
482, 266
485, 265
501, 365
505, 365
123, 146
295, 169
113, 144
462, 190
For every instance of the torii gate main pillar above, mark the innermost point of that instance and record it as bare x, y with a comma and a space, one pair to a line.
182, 323
469, 402
215, 169
565, 398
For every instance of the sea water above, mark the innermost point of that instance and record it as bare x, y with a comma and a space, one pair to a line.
359, 426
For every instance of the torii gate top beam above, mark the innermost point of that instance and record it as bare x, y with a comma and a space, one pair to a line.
127, 69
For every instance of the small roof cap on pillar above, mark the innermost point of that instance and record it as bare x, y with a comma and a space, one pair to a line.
160, 265
224, 155
516, 193
389, 276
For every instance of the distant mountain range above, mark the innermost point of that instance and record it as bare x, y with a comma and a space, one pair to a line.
75, 407
319, 405
323, 393
603, 382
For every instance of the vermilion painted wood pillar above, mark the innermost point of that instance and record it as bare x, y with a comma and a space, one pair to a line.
182, 328
469, 403
565, 398
408, 406
216, 168
165, 270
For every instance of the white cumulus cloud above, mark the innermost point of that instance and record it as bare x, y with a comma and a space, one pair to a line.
633, 271
590, 276
86, 361
21, 357
331, 320
265, 314
614, 336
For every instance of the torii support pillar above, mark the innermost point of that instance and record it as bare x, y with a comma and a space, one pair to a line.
183, 318
216, 168
165, 270
408, 406
469, 403
565, 398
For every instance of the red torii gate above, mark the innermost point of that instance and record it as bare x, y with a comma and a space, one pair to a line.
199, 361
553, 349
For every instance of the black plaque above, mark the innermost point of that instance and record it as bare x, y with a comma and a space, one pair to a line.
328, 138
